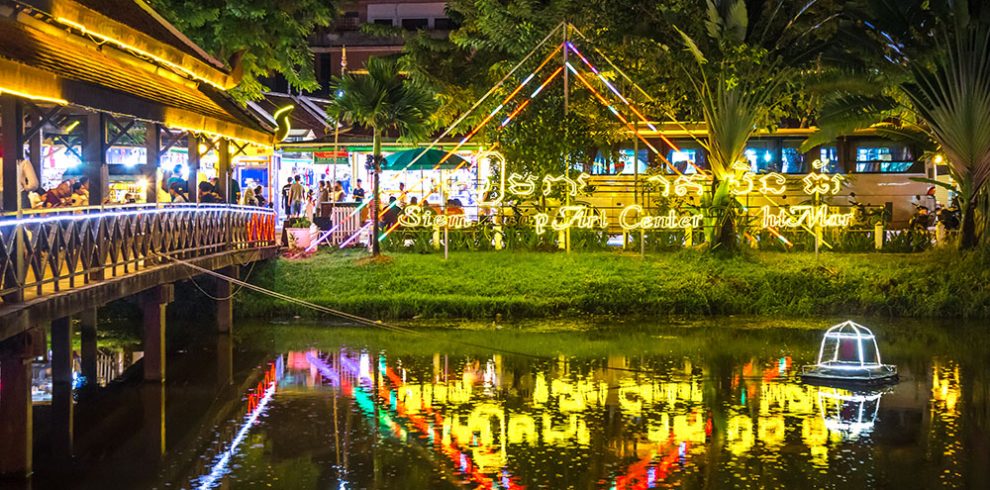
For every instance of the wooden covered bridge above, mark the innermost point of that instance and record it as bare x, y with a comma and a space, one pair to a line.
84, 77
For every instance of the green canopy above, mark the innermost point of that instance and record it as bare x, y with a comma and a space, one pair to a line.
400, 160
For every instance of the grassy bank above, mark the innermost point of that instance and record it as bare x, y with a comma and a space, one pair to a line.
480, 285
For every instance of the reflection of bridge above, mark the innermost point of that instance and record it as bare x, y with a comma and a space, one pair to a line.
59, 264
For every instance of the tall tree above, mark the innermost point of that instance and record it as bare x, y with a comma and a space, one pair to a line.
920, 69
382, 100
265, 37
738, 73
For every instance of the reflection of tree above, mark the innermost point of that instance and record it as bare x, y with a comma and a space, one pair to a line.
717, 387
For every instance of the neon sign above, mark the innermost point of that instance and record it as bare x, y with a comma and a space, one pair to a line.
574, 216
526, 185
416, 217
632, 218
805, 215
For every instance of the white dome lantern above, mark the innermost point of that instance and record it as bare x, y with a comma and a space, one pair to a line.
849, 354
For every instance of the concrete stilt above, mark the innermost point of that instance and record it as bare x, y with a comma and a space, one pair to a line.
87, 334
153, 302
62, 406
16, 438
225, 305
62, 350
63, 421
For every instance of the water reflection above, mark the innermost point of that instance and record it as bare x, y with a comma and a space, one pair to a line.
111, 362
610, 422
341, 408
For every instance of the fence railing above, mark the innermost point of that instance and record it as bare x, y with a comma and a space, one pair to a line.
46, 251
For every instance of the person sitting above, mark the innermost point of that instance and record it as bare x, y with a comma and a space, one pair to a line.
207, 194
250, 199
59, 195
454, 207
79, 195
259, 197
175, 191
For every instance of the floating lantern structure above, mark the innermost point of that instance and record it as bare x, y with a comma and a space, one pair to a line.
849, 355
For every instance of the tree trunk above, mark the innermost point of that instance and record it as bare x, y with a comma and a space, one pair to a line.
377, 170
968, 238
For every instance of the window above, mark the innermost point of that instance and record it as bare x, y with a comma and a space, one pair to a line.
349, 21
762, 156
324, 72
383, 22
608, 165
686, 159
443, 24
415, 24
883, 157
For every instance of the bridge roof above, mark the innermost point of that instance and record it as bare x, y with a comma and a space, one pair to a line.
119, 57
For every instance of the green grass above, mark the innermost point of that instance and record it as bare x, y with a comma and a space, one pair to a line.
480, 285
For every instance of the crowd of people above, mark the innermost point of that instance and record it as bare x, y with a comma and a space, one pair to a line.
298, 199
209, 192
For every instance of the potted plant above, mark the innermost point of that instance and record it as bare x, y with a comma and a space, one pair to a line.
298, 232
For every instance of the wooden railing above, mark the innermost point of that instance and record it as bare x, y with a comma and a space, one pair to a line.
46, 251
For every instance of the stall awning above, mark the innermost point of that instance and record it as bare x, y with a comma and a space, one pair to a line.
423, 159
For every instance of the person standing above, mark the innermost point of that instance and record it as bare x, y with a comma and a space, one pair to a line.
338, 191
176, 178
358, 192
297, 195
285, 196
235, 192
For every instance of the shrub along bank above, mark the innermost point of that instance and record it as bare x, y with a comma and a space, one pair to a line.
481, 285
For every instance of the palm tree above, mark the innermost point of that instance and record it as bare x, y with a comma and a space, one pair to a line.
907, 85
751, 55
382, 100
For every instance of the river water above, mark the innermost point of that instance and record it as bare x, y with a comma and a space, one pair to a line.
715, 404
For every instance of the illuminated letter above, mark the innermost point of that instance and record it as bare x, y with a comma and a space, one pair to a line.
522, 186
684, 184
549, 180
412, 217
746, 181
498, 190
663, 182
541, 220
632, 208
780, 180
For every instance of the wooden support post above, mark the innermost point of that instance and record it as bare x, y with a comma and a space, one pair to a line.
87, 330
34, 145
153, 302
223, 169
153, 148
16, 430
225, 303
12, 117
95, 158
193, 166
